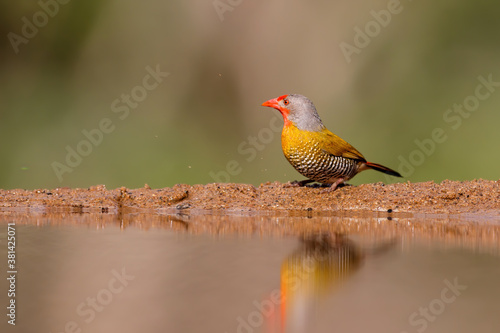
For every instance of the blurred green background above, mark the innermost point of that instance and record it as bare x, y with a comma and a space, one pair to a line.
222, 64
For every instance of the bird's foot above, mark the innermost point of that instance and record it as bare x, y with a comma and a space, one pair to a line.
297, 183
338, 183
318, 185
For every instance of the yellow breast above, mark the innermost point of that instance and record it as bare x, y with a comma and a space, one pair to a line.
298, 142
309, 153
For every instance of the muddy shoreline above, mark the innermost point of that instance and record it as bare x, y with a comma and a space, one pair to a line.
476, 197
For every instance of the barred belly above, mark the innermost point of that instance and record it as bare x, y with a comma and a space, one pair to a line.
317, 165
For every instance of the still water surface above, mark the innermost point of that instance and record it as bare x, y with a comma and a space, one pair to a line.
153, 273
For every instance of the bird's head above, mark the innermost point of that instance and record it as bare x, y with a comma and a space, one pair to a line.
297, 110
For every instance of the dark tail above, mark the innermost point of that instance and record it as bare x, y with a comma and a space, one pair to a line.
383, 169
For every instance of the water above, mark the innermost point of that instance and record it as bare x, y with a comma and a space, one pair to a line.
212, 273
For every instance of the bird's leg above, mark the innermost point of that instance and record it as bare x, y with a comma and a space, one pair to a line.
334, 185
300, 183
304, 182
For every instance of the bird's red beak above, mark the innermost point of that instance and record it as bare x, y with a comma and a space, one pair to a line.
272, 103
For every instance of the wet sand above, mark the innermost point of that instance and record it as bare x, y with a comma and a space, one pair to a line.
456, 214
468, 198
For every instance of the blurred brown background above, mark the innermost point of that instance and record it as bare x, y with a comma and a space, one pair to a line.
66, 67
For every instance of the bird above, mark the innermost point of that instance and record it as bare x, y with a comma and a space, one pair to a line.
313, 150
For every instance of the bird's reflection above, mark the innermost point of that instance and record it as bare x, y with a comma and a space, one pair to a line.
312, 272
321, 263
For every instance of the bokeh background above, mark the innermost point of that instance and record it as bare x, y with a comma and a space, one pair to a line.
222, 66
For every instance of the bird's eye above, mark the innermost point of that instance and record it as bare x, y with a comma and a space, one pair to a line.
286, 101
